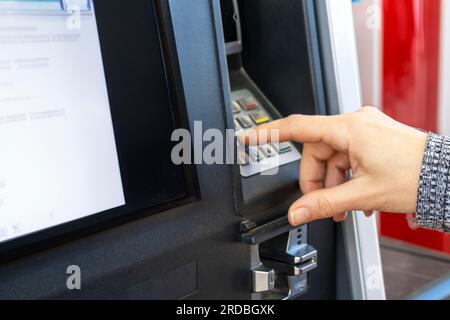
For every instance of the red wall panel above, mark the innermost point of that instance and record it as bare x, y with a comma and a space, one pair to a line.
411, 45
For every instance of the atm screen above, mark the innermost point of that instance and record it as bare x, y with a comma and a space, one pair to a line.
86, 117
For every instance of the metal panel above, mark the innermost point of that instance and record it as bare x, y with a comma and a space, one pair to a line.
360, 235
367, 15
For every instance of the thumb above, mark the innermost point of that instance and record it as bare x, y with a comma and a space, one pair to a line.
327, 203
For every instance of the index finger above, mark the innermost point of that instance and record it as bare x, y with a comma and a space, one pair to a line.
303, 129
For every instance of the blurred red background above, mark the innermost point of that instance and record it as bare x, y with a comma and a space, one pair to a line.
411, 47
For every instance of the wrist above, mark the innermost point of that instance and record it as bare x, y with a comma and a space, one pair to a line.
433, 200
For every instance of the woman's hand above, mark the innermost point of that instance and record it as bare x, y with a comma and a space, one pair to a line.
385, 157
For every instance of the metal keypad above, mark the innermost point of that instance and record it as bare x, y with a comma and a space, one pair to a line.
248, 114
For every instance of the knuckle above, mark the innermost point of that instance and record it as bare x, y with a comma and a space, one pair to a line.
324, 207
359, 117
361, 120
292, 119
292, 122
348, 119
354, 123
368, 109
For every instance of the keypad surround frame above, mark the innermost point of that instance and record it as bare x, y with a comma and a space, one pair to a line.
267, 165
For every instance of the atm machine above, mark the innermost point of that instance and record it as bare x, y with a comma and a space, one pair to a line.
92, 205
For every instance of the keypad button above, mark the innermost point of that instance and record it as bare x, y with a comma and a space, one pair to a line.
268, 151
256, 153
245, 122
244, 158
248, 103
283, 147
259, 117
236, 107
237, 126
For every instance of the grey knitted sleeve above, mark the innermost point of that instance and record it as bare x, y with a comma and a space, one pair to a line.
433, 203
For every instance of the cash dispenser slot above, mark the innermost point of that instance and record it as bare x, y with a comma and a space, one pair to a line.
283, 259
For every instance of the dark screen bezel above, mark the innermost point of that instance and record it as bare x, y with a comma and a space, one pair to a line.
77, 229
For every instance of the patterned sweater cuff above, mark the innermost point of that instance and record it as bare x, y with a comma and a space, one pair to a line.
433, 203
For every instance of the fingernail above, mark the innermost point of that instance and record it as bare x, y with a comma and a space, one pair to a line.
299, 216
